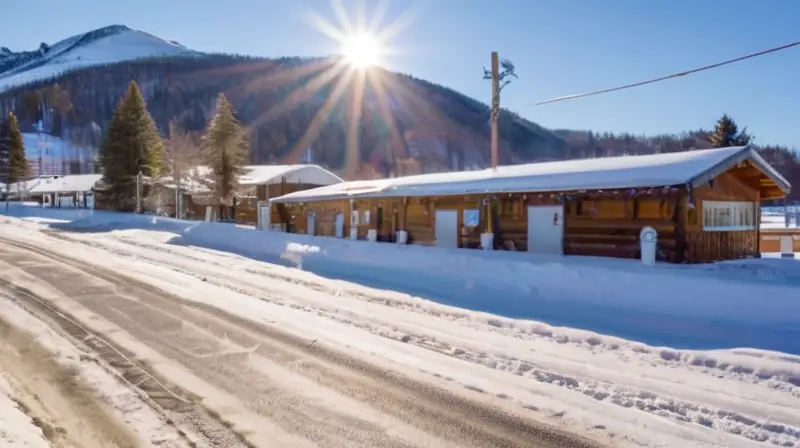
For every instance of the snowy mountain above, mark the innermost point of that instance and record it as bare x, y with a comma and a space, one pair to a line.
107, 45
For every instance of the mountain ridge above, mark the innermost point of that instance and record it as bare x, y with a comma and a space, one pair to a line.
58, 54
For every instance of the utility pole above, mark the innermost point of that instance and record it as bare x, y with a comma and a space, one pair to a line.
495, 106
139, 192
499, 81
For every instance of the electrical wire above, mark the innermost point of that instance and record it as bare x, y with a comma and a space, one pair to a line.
664, 78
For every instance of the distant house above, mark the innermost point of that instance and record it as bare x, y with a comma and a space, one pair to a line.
258, 184
70, 191
703, 204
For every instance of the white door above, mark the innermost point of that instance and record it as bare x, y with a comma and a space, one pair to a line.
546, 229
340, 225
310, 223
446, 229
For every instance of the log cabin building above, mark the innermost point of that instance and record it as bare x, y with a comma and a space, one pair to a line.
705, 206
257, 184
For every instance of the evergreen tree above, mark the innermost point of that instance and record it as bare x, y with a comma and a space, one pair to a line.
726, 133
18, 163
14, 164
225, 149
131, 146
5, 152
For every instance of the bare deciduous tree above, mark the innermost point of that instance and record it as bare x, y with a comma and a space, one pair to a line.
181, 154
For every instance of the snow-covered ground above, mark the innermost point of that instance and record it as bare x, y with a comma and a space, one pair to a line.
772, 219
16, 428
25, 409
643, 395
679, 306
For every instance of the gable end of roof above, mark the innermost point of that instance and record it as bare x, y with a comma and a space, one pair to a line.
746, 153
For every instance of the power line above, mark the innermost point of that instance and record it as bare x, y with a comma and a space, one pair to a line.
664, 78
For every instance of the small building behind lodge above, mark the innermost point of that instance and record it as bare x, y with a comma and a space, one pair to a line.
257, 185
705, 206
68, 191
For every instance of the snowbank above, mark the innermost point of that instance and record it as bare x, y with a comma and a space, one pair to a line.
752, 303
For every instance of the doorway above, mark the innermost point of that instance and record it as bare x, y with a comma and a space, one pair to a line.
340, 225
311, 221
445, 230
546, 229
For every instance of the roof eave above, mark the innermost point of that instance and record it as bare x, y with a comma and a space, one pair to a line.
746, 153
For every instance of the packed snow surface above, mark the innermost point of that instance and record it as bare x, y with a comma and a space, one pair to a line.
667, 356
16, 428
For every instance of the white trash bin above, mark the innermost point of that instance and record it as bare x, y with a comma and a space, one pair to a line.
487, 241
648, 239
402, 237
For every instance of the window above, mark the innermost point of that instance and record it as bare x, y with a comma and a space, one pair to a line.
728, 215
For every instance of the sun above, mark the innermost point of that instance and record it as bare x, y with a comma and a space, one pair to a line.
362, 50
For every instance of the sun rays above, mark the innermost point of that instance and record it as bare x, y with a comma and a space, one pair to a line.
363, 47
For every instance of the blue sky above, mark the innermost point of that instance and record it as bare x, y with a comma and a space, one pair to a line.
559, 47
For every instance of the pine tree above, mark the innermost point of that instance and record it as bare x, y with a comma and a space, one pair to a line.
5, 155
15, 165
225, 150
726, 133
18, 163
131, 146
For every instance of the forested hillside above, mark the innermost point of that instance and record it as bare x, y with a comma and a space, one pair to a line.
291, 104
362, 127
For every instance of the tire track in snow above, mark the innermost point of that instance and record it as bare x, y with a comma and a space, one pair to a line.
437, 412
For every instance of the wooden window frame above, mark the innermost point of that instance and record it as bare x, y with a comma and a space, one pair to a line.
740, 215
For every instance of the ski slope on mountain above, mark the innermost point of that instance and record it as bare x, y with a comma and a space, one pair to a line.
103, 46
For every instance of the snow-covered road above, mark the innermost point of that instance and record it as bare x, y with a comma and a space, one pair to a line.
270, 387
614, 391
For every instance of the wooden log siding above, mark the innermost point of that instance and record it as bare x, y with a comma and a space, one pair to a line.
708, 246
610, 227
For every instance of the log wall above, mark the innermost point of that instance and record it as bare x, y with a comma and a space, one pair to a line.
705, 246
610, 227
598, 226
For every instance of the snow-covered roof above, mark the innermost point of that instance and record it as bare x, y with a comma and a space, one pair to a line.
19, 187
273, 174
261, 175
72, 183
657, 170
